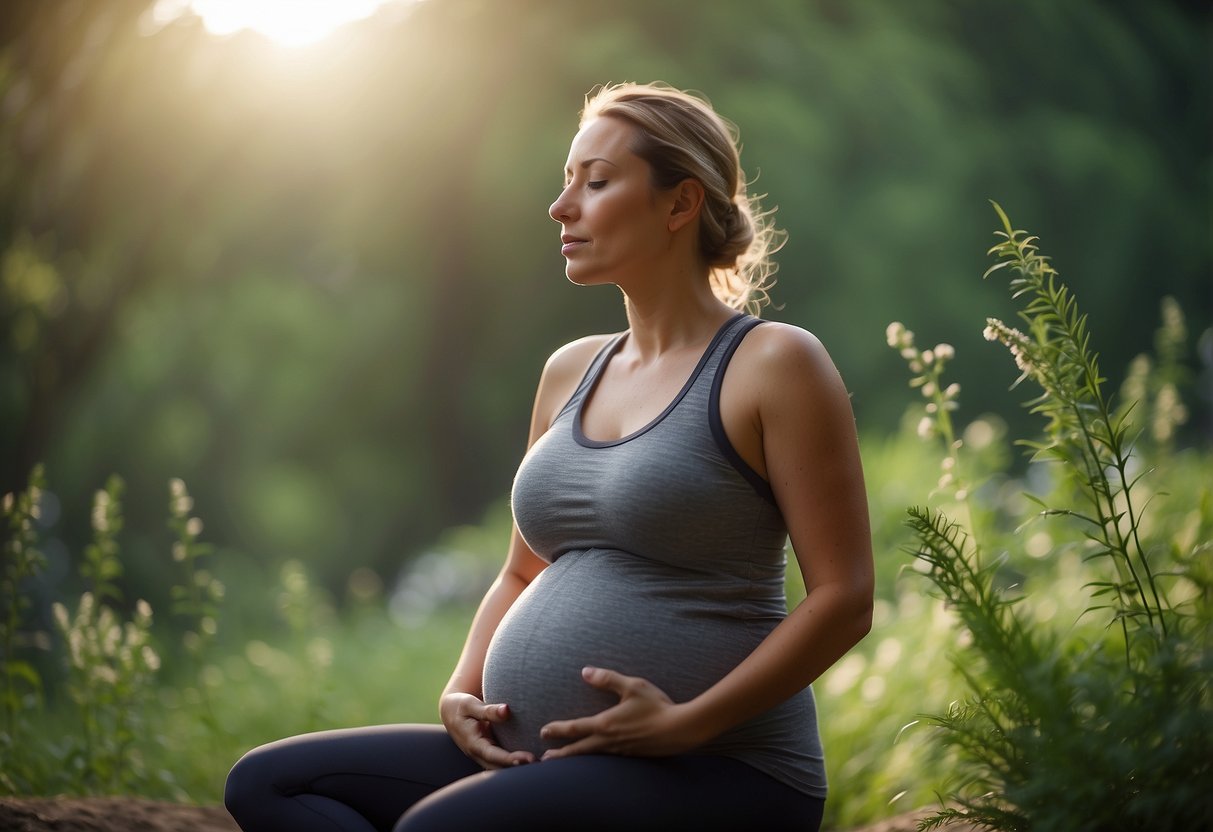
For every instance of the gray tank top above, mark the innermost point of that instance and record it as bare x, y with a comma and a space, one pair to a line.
667, 562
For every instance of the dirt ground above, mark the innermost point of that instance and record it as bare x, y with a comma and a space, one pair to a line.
125, 814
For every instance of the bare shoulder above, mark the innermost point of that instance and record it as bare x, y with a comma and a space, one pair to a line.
777, 355
561, 374
574, 357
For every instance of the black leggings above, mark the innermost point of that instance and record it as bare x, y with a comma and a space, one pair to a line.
413, 778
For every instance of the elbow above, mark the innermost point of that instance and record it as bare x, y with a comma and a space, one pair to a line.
863, 621
860, 619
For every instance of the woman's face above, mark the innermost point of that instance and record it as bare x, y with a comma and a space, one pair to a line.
613, 222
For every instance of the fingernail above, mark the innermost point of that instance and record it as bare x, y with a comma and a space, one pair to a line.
587, 671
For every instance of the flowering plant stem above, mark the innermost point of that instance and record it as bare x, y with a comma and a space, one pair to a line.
1083, 433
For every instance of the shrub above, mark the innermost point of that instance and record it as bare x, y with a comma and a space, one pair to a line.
1097, 727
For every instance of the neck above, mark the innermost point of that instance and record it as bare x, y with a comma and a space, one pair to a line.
670, 314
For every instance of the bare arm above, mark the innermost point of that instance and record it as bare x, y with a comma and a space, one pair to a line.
468, 719
521, 567
812, 461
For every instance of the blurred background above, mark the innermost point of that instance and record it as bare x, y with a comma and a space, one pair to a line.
307, 267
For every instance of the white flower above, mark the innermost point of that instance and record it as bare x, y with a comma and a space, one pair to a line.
105, 674
1021, 357
182, 503
61, 618
945, 352
894, 332
925, 427
100, 516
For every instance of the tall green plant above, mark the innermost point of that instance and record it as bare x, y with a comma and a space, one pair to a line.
110, 662
21, 560
1084, 731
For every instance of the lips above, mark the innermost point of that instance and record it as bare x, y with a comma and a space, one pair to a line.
569, 243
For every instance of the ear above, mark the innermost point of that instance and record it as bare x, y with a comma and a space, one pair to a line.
688, 201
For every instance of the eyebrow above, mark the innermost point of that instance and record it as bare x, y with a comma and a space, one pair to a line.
591, 161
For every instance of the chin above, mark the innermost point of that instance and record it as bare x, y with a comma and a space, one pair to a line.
579, 277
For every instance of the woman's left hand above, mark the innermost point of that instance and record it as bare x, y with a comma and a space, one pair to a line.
645, 723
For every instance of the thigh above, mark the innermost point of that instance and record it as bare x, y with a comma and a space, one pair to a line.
598, 792
376, 772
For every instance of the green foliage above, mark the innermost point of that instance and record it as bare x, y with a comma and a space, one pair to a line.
110, 668
1094, 728
110, 664
198, 596
21, 561
99, 737
102, 567
1152, 385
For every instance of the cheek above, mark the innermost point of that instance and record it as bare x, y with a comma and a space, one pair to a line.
628, 216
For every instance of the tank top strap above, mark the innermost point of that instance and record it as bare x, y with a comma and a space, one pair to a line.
715, 363
591, 373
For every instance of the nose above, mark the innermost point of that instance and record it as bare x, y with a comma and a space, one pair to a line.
563, 209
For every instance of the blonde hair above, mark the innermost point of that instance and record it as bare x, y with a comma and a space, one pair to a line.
682, 137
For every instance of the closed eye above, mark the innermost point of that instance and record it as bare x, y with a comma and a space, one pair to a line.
596, 184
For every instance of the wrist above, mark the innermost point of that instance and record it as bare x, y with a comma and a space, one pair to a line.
698, 721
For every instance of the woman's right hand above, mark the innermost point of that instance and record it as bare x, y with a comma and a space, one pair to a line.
470, 724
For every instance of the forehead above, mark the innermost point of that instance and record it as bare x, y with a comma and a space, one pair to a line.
604, 137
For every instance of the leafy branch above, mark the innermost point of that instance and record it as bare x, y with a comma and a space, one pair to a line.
1083, 432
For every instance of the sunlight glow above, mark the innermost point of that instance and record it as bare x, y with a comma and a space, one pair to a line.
285, 22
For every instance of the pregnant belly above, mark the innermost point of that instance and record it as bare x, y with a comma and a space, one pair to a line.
606, 609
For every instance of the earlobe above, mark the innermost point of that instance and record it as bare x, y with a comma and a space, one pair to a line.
688, 201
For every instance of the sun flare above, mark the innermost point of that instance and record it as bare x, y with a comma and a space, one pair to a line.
285, 22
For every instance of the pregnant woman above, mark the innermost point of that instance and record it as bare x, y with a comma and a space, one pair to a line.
634, 666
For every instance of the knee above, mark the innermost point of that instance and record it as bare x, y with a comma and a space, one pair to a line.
248, 783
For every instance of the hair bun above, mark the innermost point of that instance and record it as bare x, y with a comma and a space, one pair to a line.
737, 233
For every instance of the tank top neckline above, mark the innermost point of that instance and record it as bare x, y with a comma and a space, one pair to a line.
597, 371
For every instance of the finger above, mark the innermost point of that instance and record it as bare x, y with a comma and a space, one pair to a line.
492, 756
494, 713
569, 729
604, 679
